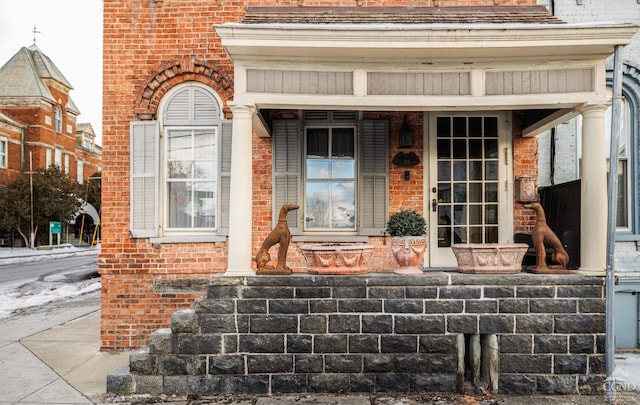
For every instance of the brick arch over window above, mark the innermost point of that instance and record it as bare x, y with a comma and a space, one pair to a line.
180, 71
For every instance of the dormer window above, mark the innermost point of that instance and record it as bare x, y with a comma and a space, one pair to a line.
58, 123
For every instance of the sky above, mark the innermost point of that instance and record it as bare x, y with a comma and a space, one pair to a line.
70, 34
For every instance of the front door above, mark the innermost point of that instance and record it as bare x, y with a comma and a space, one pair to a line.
469, 181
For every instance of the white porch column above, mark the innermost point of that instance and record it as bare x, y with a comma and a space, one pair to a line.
241, 194
593, 207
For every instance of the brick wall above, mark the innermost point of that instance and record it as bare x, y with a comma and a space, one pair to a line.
341, 334
149, 47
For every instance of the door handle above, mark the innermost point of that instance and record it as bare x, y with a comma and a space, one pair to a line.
434, 205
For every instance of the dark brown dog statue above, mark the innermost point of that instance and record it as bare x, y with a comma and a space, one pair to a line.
279, 235
543, 236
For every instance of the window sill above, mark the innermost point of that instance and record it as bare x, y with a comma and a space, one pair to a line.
330, 238
189, 239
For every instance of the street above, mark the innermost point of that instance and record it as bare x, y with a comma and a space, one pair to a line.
30, 284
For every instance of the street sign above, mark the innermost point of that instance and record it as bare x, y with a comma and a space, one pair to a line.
55, 227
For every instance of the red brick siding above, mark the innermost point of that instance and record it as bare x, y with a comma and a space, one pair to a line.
525, 161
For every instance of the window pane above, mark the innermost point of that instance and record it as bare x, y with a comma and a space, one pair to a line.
343, 169
180, 170
475, 192
318, 169
342, 142
475, 215
179, 145
491, 192
491, 234
459, 149
490, 127
205, 145
443, 125
318, 142
459, 170
444, 215
444, 237
623, 204
460, 127
475, 170
491, 214
475, 127
460, 214
342, 201
475, 234
475, 148
491, 148
444, 171
444, 148
444, 193
460, 192
205, 205
204, 170
180, 204
317, 213
491, 170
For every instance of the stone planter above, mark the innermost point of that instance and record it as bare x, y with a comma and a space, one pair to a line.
408, 251
490, 258
337, 258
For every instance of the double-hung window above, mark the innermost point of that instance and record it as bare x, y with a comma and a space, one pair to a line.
58, 119
330, 179
3, 152
180, 168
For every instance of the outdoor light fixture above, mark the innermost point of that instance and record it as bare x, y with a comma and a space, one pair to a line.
406, 135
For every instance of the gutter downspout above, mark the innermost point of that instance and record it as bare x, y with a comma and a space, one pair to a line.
610, 383
21, 151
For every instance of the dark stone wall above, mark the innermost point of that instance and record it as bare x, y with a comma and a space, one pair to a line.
374, 333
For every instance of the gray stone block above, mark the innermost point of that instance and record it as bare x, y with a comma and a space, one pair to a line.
359, 305
582, 344
120, 382
378, 363
143, 363
580, 323
198, 344
594, 306
481, 306
332, 383
514, 306
344, 323
419, 324
269, 363
553, 306
460, 293
308, 363
299, 343
386, 292
462, 323
323, 306
343, 363
330, 343
535, 292
273, 324
496, 324
222, 291
499, 292
595, 384
557, 384
377, 323
350, 292
597, 364
364, 343
161, 342
226, 364
516, 344
215, 306
392, 306
444, 307
206, 385
288, 383
313, 324
175, 385
313, 292
438, 344
184, 321
230, 343
362, 383
392, 382
570, 364
421, 292
433, 382
517, 384
175, 365
525, 363
266, 292
589, 291
213, 323
293, 306
261, 343
148, 384
398, 344
257, 306
250, 384
534, 323
550, 344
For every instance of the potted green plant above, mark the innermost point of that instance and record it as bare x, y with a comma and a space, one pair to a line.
408, 230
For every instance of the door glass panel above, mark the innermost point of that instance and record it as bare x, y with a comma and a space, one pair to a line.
467, 167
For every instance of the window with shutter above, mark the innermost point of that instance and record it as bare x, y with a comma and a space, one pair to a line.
338, 176
180, 180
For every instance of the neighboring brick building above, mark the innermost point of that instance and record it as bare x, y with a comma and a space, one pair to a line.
38, 119
246, 95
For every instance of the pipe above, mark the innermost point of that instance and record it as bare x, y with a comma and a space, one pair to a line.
610, 395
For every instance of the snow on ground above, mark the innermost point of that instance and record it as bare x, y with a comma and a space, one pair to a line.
19, 296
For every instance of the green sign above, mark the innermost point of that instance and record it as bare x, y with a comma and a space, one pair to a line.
55, 227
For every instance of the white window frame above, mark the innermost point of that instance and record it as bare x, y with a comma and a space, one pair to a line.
47, 158
58, 157
58, 119
80, 171
4, 153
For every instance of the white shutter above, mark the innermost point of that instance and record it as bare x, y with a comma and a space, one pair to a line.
144, 178
225, 175
374, 180
286, 170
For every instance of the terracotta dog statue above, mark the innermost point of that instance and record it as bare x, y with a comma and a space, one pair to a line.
542, 236
279, 235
